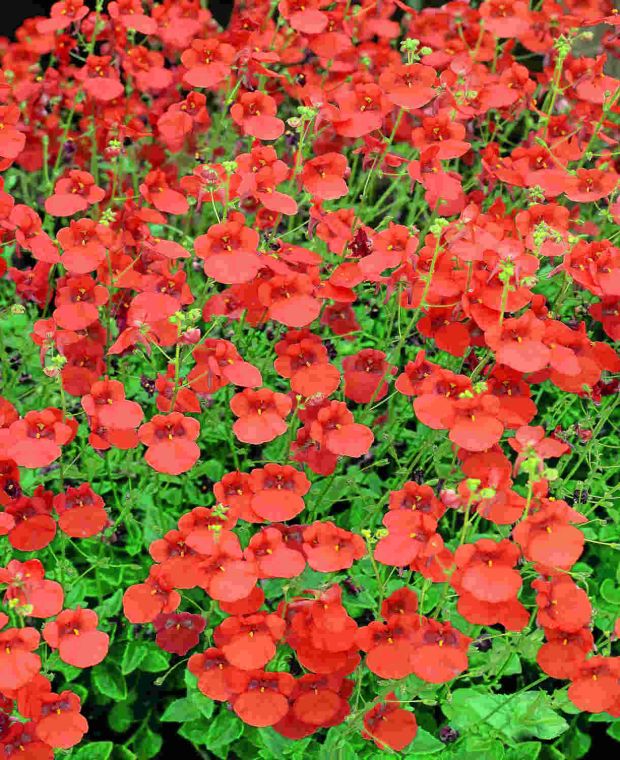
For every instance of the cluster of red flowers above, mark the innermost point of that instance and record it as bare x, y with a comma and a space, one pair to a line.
52, 721
125, 132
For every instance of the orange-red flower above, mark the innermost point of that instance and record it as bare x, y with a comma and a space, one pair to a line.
249, 642
75, 635
18, 662
260, 415
389, 725
171, 441
329, 548
26, 583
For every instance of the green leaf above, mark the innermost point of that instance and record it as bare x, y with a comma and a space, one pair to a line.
614, 730
122, 753
501, 659
204, 705
180, 711
120, 717
133, 654
108, 680
213, 469
275, 745
225, 728
94, 751
482, 748
155, 661
425, 743
147, 743
528, 646
525, 751
336, 747
577, 745
195, 731
111, 606
610, 592
533, 717
524, 716
561, 702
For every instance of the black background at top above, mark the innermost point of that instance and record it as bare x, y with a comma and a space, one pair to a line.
14, 12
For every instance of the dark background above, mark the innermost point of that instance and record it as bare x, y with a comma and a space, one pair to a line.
15, 12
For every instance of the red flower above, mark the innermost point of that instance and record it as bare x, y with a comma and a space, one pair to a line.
62, 15
84, 243
255, 112
12, 141
74, 193
440, 652
303, 358
218, 363
410, 535
77, 302
178, 632
442, 132
100, 79
335, 429
410, 85
564, 651
305, 17
319, 700
171, 441
33, 525
74, 633
417, 497
389, 725
229, 251
22, 736
365, 374
18, 663
142, 602
35, 440
214, 674
589, 185
278, 492
329, 548
474, 425
106, 401
547, 538
290, 300
251, 603
59, 722
388, 645
261, 415
410, 383
130, 15
561, 604
505, 19
595, 685
81, 512
518, 343
262, 697
175, 552
156, 190
207, 62
485, 570
227, 577
323, 176
249, 642
273, 558
360, 109
403, 601
26, 583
